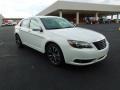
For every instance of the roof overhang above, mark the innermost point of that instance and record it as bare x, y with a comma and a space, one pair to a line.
67, 6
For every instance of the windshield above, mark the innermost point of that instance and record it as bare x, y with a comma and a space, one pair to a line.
56, 23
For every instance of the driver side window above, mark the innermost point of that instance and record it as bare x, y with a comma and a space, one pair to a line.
34, 24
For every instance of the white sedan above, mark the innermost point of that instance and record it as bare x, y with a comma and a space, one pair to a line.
61, 41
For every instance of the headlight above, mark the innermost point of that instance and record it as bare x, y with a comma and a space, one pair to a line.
79, 44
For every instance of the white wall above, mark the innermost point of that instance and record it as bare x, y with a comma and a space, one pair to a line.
114, 17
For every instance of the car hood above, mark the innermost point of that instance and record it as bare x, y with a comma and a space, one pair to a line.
80, 34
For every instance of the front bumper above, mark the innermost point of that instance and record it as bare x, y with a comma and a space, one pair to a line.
90, 55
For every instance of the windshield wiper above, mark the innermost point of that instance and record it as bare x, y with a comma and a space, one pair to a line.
60, 28
54, 28
68, 27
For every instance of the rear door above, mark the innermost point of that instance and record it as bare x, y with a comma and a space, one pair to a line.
24, 31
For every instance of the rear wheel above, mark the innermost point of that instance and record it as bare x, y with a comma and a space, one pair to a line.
54, 54
18, 41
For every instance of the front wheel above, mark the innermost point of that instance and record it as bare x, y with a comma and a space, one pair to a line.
54, 54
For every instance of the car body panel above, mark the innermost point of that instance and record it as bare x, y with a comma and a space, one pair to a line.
37, 40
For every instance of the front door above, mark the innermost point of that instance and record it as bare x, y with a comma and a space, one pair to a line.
36, 36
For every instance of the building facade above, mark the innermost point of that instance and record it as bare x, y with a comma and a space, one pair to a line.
77, 12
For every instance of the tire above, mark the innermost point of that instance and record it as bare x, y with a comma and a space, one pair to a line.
18, 41
54, 54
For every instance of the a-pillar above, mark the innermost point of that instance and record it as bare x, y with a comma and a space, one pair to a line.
77, 18
60, 13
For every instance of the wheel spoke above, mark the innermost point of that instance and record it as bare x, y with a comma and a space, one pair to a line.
50, 50
54, 55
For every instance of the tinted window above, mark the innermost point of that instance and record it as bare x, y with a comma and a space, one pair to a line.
34, 24
25, 23
56, 23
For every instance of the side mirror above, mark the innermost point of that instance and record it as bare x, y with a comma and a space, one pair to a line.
38, 29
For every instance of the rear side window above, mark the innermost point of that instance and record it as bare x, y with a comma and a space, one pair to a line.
25, 23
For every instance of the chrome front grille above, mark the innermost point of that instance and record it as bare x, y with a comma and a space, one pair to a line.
100, 44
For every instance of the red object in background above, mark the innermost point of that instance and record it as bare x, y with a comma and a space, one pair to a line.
5, 21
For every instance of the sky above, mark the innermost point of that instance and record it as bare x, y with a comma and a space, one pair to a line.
27, 8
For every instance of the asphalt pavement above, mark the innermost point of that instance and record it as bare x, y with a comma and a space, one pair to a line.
27, 69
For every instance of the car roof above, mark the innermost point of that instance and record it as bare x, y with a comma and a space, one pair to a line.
45, 17
41, 17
